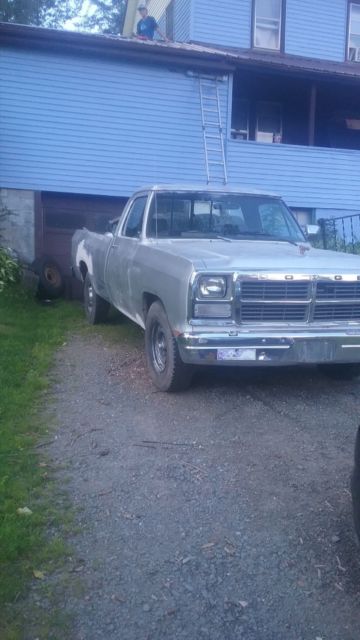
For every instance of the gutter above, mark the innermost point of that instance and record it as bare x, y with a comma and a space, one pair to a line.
119, 47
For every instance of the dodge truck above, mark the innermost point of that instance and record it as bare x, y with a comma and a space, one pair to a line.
220, 276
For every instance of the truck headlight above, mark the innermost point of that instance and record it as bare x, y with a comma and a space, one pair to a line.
212, 287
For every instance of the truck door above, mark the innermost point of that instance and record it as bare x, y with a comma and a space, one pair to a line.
121, 254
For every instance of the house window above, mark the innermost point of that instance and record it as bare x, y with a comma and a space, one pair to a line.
267, 24
268, 122
354, 32
304, 217
240, 125
170, 21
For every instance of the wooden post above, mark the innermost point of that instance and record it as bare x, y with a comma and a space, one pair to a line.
312, 114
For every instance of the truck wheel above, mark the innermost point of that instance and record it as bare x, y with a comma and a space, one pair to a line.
167, 370
96, 308
340, 371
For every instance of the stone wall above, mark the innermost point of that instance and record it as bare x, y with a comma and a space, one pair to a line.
17, 231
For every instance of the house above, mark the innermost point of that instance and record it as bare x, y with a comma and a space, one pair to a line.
260, 93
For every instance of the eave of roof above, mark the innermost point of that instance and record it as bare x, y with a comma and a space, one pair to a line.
29, 37
195, 54
286, 63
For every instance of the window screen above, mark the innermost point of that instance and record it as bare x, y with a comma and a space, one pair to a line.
267, 27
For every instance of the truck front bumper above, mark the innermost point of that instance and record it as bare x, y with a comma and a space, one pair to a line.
270, 349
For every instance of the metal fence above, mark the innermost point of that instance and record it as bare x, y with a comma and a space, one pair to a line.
341, 234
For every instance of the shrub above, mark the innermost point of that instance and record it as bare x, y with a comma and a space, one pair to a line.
9, 270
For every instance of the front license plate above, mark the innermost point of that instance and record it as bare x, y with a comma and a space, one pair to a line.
236, 354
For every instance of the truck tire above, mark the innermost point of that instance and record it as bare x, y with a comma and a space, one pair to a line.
340, 371
167, 370
96, 308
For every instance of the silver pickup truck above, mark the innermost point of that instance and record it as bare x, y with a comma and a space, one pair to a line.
221, 277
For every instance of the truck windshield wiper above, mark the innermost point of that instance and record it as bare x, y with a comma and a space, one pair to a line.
268, 236
204, 235
225, 238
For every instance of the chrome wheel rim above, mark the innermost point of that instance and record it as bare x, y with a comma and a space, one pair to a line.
159, 348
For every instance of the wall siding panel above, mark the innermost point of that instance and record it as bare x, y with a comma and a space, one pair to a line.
316, 29
304, 176
78, 125
182, 20
222, 22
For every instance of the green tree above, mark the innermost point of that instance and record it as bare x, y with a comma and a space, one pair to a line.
46, 13
106, 16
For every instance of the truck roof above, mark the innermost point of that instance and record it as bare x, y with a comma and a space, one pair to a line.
211, 189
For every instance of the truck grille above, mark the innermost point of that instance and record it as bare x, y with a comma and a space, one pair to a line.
273, 312
338, 291
272, 301
337, 312
268, 290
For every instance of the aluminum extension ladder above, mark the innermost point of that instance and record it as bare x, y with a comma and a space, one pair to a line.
213, 133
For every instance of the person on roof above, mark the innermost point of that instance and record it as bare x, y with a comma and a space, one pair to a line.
147, 25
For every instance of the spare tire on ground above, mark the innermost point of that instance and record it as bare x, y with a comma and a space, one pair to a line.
51, 278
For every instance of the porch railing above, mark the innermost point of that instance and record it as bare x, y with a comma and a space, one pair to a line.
341, 234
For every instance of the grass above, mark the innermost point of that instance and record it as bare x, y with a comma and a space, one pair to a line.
30, 332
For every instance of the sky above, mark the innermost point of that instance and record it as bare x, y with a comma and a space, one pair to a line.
87, 10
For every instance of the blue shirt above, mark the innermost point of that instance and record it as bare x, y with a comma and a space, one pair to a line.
146, 27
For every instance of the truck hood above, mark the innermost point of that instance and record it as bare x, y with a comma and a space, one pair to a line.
256, 255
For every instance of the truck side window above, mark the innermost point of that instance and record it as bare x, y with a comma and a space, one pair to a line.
135, 217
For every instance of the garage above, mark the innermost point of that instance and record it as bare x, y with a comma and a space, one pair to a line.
58, 216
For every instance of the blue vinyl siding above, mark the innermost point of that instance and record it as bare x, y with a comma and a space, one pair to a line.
182, 20
305, 176
79, 125
222, 22
316, 29
313, 28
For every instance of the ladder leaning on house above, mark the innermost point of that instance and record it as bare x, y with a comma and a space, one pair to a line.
213, 133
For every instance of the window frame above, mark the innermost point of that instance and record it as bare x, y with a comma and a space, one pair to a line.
237, 133
281, 110
122, 231
347, 45
281, 48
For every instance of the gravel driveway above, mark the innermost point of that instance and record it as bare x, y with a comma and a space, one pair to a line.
220, 513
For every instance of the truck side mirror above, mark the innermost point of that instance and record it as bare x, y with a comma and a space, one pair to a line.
312, 230
112, 225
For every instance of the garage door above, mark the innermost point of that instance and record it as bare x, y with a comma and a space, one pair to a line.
62, 214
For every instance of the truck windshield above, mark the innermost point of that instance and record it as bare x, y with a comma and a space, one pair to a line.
224, 215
